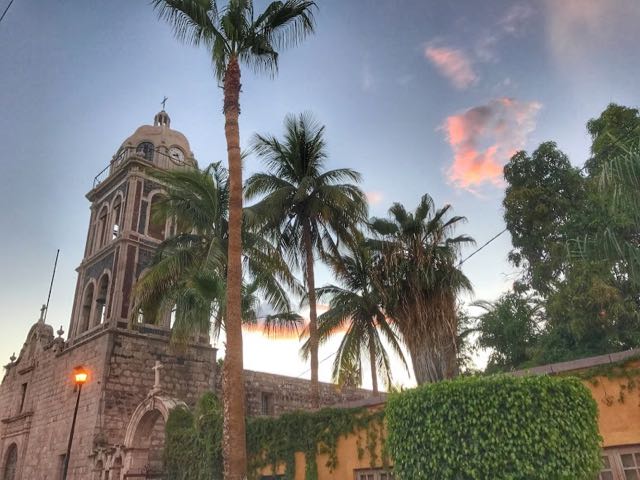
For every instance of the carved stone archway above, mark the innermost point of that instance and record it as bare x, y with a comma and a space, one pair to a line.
144, 437
10, 463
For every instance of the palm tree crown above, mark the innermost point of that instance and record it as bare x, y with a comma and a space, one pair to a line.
298, 191
189, 269
420, 281
235, 32
310, 209
356, 306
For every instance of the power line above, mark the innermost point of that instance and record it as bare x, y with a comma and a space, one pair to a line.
323, 360
584, 167
481, 247
6, 10
53, 276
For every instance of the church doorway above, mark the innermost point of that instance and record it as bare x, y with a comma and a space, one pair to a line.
144, 440
148, 444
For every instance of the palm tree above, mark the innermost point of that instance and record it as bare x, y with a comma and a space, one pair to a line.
187, 276
309, 208
509, 327
619, 185
234, 35
357, 306
419, 279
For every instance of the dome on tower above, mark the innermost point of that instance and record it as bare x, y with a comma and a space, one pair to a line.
160, 137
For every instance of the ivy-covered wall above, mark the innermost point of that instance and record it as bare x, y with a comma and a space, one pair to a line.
498, 427
298, 445
346, 440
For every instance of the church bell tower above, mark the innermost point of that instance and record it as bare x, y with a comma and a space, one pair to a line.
123, 233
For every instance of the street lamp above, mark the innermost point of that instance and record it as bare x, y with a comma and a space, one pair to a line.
80, 376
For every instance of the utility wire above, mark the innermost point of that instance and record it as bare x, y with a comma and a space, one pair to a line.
584, 167
481, 247
323, 360
53, 276
6, 10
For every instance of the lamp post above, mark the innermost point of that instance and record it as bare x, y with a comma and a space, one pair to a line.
80, 376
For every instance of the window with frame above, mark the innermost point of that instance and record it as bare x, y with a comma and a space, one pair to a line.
374, 474
102, 227
621, 463
23, 396
157, 222
267, 403
116, 211
607, 469
631, 465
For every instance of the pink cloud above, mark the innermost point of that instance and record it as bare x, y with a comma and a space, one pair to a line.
374, 198
485, 137
452, 63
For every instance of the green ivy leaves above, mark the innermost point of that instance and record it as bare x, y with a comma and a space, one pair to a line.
193, 448
498, 427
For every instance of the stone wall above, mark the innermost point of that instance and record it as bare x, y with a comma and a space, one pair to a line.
270, 394
186, 374
41, 430
120, 365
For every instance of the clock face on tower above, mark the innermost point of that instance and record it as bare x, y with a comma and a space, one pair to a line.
176, 154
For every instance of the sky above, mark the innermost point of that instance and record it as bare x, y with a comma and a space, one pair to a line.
419, 96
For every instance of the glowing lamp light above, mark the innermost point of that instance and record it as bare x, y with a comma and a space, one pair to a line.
80, 375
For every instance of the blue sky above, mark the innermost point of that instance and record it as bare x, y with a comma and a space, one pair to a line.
419, 96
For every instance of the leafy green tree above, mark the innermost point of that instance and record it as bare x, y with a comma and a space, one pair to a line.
198, 434
591, 314
541, 199
234, 35
308, 208
609, 135
420, 281
574, 237
356, 306
509, 327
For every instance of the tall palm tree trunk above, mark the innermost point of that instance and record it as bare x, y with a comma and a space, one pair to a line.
313, 316
234, 442
372, 361
433, 351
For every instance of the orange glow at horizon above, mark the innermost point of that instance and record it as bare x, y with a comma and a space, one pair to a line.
289, 333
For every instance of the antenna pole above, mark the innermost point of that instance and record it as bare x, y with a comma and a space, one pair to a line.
53, 276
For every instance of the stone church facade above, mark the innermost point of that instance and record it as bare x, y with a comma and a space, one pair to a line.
123, 407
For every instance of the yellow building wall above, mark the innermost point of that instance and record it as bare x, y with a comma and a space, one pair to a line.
348, 461
618, 420
619, 416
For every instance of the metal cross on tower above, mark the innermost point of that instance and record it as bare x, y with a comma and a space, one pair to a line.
164, 102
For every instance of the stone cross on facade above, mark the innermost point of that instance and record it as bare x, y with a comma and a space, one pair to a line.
42, 310
158, 366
